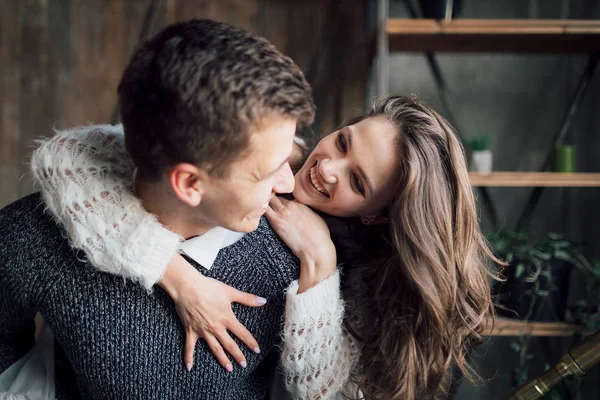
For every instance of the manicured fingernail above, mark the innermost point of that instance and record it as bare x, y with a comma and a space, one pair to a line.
229, 368
188, 366
256, 350
261, 300
243, 364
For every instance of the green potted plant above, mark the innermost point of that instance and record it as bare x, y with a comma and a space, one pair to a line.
481, 155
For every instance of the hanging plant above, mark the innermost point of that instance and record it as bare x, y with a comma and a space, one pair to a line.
537, 272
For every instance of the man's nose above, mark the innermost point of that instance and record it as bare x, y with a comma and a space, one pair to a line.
327, 169
285, 180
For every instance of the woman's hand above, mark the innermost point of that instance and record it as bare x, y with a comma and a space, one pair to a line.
204, 307
307, 235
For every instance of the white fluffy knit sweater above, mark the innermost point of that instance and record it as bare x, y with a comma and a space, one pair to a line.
85, 177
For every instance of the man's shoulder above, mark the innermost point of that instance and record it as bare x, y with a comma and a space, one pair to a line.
32, 246
266, 248
22, 212
266, 236
26, 224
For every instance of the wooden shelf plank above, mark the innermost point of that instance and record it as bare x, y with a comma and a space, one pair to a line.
494, 35
533, 179
514, 327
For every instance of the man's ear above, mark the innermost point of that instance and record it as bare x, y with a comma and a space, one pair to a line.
188, 183
374, 220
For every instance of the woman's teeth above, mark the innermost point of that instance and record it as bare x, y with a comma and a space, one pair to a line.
315, 182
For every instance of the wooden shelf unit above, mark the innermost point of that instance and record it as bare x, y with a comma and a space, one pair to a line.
513, 327
535, 179
494, 35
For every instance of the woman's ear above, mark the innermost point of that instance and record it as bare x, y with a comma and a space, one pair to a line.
374, 220
188, 183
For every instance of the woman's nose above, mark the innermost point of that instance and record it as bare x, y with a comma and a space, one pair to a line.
327, 169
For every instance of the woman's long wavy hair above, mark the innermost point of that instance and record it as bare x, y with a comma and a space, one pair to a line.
424, 278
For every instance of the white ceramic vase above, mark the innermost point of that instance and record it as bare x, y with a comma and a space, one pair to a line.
481, 161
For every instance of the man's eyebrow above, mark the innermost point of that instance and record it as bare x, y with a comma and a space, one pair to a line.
368, 181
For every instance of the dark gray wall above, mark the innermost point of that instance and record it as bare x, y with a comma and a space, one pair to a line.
520, 101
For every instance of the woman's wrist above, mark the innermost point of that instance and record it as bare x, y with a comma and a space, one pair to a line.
319, 256
176, 276
312, 272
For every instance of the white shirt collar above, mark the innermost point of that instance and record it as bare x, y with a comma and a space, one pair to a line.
205, 248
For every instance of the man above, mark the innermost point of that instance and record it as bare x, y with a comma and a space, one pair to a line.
209, 114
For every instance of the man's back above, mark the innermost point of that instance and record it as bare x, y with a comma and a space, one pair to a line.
121, 341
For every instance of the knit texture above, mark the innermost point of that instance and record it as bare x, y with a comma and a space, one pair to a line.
123, 342
318, 354
86, 179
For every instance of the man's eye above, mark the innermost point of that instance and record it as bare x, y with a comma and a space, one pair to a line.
341, 140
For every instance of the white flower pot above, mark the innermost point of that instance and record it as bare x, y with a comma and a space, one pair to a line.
481, 161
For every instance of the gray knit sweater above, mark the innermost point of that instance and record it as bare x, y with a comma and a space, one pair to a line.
113, 339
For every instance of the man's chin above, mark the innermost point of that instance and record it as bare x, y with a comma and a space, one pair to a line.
245, 226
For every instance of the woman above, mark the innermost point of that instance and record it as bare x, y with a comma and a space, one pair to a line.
393, 190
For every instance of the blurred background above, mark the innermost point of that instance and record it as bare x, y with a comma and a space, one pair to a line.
515, 99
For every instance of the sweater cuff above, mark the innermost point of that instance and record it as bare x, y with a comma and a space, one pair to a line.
323, 298
164, 247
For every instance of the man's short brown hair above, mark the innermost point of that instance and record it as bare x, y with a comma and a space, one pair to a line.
193, 92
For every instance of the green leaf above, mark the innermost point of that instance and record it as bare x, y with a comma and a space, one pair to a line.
555, 236
562, 255
581, 303
519, 270
546, 273
521, 376
509, 256
543, 255
479, 143
596, 269
515, 346
543, 293
561, 244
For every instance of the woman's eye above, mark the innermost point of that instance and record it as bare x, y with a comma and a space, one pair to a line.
341, 141
357, 185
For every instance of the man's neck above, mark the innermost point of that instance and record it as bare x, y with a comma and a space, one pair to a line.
169, 210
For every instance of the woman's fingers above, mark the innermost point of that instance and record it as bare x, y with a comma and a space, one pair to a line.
217, 350
221, 345
247, 299
276, 203
190, 345
232, 348
244, 335
271, 214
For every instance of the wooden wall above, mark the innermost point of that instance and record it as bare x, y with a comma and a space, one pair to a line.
61, 60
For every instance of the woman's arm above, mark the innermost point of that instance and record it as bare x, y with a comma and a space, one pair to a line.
318, 354
85, 177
